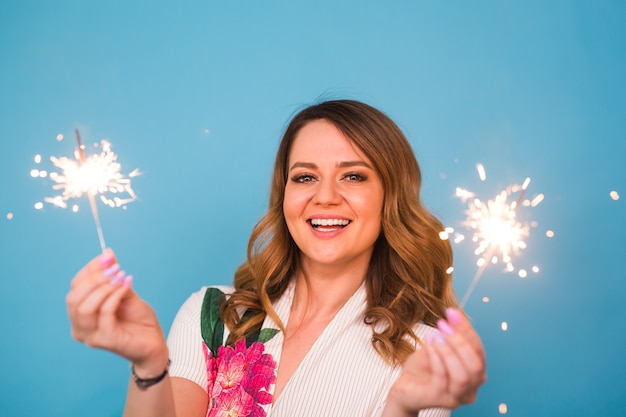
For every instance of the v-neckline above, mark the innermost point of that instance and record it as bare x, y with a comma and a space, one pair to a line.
275, 345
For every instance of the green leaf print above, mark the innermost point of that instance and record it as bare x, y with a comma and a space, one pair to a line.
266, 334
211, 325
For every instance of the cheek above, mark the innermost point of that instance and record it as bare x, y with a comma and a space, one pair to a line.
370, 204
371, 213
373, 209
293, 203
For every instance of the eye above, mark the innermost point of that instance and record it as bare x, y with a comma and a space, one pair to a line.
303, 178
355, 177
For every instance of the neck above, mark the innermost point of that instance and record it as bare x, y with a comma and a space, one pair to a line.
321, 290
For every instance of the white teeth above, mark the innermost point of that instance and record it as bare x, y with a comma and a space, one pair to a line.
330, 222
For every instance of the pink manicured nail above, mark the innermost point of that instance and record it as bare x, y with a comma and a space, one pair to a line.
111, 271
106, 258
128, 280
119, 276
438, 338
454, 315
428, 338
445, 327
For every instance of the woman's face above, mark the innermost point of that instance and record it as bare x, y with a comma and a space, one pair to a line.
333, 198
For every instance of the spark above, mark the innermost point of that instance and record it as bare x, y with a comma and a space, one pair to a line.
496, 231
536, 200
482, 174
463, 194
614, 195
98, 174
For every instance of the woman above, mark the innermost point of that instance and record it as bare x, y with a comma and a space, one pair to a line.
333, 313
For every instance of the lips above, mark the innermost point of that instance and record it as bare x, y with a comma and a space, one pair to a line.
328, 225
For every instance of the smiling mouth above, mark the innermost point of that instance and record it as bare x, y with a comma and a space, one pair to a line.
329, 225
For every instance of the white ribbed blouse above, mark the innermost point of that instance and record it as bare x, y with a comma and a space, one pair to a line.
342, 375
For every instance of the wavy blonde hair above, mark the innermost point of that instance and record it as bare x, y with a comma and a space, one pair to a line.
407, 280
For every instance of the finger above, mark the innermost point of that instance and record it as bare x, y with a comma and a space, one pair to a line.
88, 285
93, 300
435, 360
107, 318
437, 351
97, 264
85, 318
85, 282
448, 349
472, 360
85, 299
111, 305
464, 364
461, 324
473, 347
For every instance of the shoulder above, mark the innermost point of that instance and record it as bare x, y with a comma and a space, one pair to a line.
190, 309
198, 296
185, 340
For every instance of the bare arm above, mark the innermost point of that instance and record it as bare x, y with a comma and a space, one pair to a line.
106, 313
170, 397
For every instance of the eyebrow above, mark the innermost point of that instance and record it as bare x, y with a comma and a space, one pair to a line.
343, 164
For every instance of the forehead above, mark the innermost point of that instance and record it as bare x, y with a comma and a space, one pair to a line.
322, 139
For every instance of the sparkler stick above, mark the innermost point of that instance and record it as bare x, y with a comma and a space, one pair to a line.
470, 289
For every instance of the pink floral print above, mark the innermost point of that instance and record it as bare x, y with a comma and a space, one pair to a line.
239, 379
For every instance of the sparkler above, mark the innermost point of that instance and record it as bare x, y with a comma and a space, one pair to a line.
496, 231
96, 174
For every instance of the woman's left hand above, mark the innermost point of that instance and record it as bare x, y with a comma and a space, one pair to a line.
446, 372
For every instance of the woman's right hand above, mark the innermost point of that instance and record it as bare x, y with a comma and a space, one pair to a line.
106, 313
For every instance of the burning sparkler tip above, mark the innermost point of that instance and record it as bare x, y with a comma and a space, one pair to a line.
497, 232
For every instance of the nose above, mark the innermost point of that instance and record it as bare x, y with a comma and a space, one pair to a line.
327, 193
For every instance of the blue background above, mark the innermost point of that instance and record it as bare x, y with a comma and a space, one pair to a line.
196, 94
